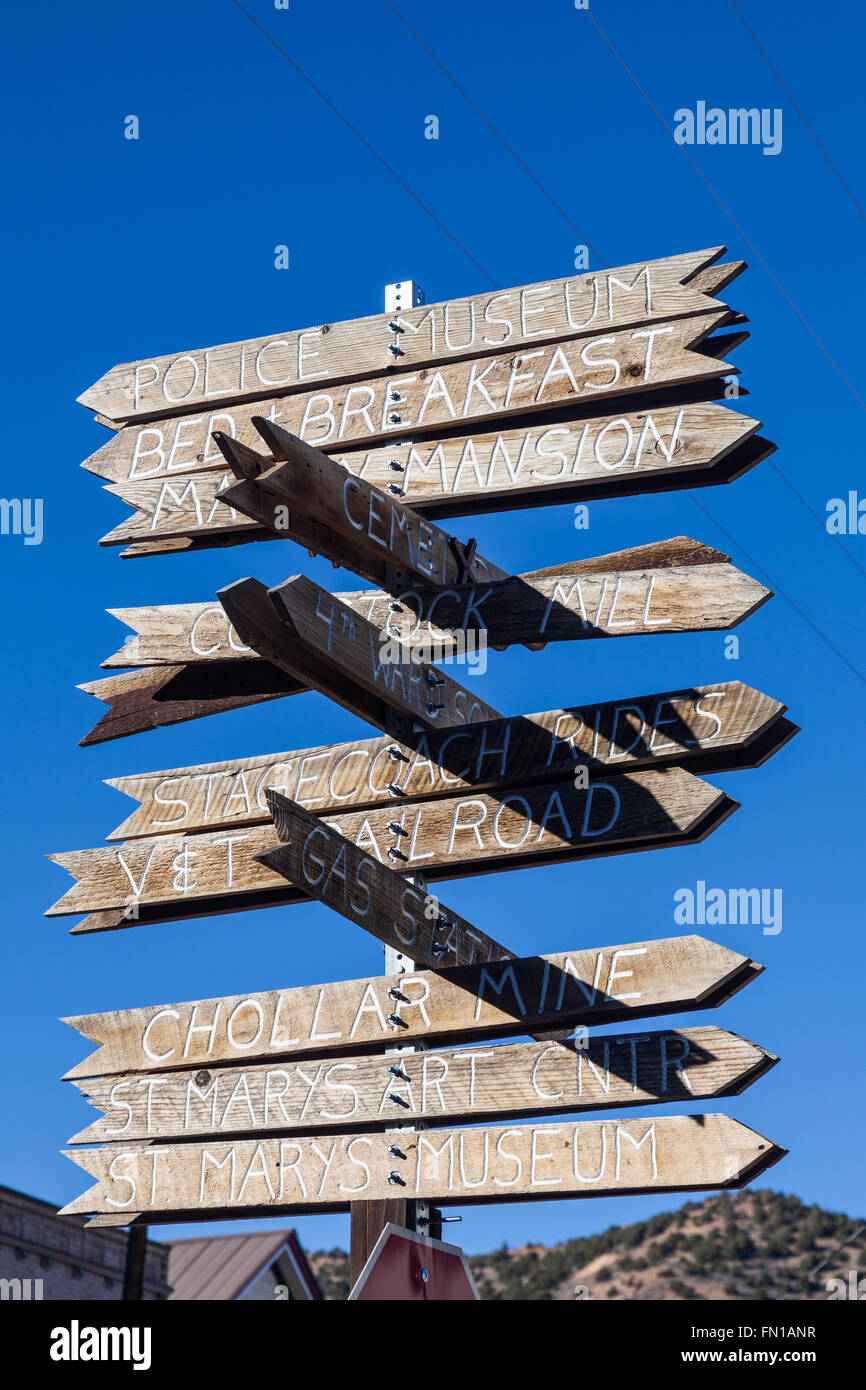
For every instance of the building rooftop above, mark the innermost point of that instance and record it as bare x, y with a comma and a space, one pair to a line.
220, 1268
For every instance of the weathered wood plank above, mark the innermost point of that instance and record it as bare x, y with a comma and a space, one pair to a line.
252, 614
581, 369
180, 506
589, 1158
702, 727
174, 634
367, 1222
177, 634
540, 465
171, 634
341, 654
703, 592
186, 545
458, 1085
324, 865
590, 985
308, 498
732, 465
334, 649
184, 635
179, 909
142, 700
451, 329
445, 838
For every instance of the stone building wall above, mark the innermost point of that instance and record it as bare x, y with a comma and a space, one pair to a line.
72, 1262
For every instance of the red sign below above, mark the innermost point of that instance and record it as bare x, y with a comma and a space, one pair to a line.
409, 1268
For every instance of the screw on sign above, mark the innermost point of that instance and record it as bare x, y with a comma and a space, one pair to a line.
410, 1268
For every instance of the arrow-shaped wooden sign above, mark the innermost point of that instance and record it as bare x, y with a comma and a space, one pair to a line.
570, 458
339, 652
322, 864
179, 506
678, 585
462, 1084
591, 985
689, 445
325, 643
142, 700
176, 634
180, 876
590, 1158
639, 293
611, 595
581, 369
706, 729
564, 461
312, 500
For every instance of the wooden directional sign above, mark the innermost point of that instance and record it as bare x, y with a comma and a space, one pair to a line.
143, 700
693, 444
674, 586
182, 505
314, 637
582, 369
643, 589
324, 865
639, 293
348, 438
708, 728
568, 459
450, 837
304, 1174
184, 511
180, 905
331, 511
591, 985
463, 1084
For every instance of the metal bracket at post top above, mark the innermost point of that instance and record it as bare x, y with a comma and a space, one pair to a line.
403, 294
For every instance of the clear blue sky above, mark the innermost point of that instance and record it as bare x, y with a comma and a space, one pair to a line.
116, 249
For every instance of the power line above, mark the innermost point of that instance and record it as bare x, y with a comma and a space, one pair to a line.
844, 548
495, 284
734, 223
499, 136
429, 51
821, 521
366, 143
789, 94
777, 590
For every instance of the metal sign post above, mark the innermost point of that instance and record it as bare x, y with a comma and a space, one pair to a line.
369, 1220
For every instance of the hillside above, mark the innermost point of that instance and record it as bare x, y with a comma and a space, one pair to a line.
741, 1245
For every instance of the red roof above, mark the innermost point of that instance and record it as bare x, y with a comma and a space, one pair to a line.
220, 1268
